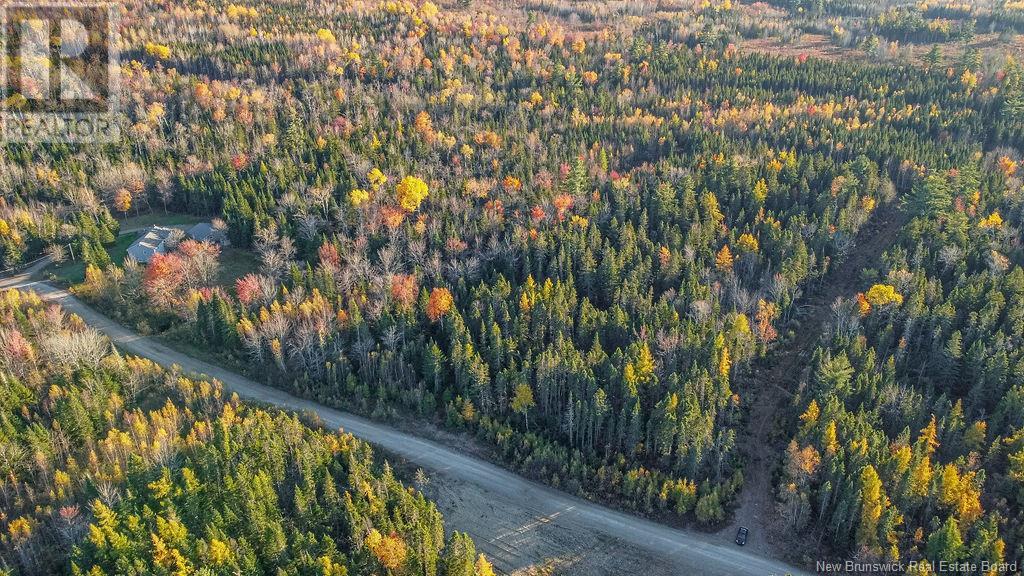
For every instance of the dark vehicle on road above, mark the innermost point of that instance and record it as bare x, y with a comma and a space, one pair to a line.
741, 536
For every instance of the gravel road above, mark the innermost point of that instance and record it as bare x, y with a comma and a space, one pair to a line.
519, 524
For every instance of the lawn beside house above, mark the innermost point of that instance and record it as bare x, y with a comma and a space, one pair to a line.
72, 272
160, 219
235, 263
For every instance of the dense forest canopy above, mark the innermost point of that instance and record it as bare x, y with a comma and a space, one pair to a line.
568, 230
113, 465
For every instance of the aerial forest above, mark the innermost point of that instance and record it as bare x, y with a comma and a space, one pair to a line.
570, 235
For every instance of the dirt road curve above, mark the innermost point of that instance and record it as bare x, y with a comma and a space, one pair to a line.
516, 522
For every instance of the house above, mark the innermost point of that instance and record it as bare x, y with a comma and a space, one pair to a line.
206, 232
149, 244
155, 240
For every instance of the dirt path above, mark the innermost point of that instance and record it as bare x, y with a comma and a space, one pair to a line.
17, 279
772, 382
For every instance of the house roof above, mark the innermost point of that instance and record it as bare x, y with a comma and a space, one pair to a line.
150, 243
205, 231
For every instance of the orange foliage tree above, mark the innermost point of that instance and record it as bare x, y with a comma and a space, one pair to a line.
439, 304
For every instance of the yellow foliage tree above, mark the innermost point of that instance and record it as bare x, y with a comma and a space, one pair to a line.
709, 205
921, 477
748, 243
968, 506
929, 437
219, 552
358, 197
959, 493
390, 550
123, 200
949, 485
158, 51
871, 509
20, 529
830, 440
970, 80
761, 191
391, 553
468, 411
644, 365
161, 554
1007, 166
741, 325
429, 10
881, 295
483, 567
629, 376
377, 178
522, 401
993, 220
867, 203
724, 363
810, 416
901, 456
326, 36
411, 192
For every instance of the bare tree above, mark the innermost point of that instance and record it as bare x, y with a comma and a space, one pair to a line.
199, 264
275, 252
108, 491
75, 349
309, 224
700, 311
163, 186
321, 196
131, 282
174, 238
56, 253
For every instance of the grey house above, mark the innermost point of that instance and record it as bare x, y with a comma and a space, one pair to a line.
149, 244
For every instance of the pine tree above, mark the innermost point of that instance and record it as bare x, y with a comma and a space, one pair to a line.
459, 556
946, 543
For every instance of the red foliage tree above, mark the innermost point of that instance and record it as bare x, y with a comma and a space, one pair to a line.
163, 278
329, 256
248, 288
